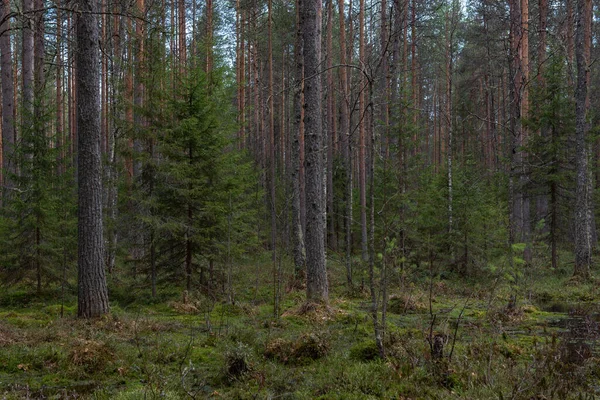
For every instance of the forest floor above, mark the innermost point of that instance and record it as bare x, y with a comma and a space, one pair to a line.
450, 338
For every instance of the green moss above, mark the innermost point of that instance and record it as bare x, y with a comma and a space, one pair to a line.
364, 351
146, 347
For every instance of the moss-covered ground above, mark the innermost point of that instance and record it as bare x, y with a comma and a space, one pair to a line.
203, 346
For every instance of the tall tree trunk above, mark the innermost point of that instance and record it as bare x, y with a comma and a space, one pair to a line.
140, 75
332, 127
27, 64
520, 219
524, 179
60, 126
39, 58
450, 21
542, 202
209, 39
93, 293
112, 168
346, 143
241, 75
182, 36
104, 81
362, 176
570, 39
384, 81
297, 230
316, 273
377, 327
271, 153
583, 214
8, 105
413, 68
129, 99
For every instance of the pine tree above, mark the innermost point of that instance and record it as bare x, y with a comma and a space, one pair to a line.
93, 293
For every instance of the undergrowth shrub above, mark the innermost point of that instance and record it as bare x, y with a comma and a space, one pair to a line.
309, 347
89, 356
405, 303
278, 349
237, 361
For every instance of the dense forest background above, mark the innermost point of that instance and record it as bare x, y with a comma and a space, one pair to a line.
251, 149
450, 135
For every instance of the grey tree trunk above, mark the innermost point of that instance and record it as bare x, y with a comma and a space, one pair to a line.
8, 94
297, 229
316, 273
92, 290
583, 213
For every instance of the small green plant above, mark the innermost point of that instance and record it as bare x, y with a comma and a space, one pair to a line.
365, 351
238, 361
309, 347
278, 349
90, 356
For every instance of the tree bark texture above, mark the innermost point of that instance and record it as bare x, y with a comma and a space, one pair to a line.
8, 94
27, 63
297, 228
362, 167
93, 294
520, 211
316, 274
583, 213
346, 143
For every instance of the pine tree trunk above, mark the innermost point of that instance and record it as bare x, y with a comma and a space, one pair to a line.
209, 40
316, 273
8, 105
182, 36
570, 23
297, 229
129, 98
332, 128
583, 213
413, 68
104, 82
27, 65
448, 120
138, 96
39, 79
542, 202
241, 75
384, 81
93, 294
524, 179
271, 152
520, 212
377, 327
362, 173
346, 143
60, 137
72, 95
